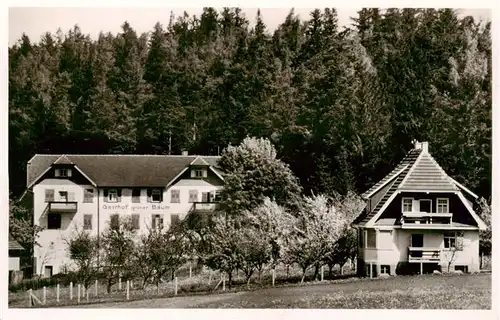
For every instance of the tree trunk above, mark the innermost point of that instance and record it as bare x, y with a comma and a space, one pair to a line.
303, 276
248, 282
108, 286
316, 271
287, 271
330, 270
342, 269
230, 278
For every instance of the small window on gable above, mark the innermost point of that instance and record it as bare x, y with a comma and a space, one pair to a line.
442, 205
63, 172
407, 205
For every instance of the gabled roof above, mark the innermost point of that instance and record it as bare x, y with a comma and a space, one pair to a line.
63, 160
199, 162
120, 170
402, 169
417, 172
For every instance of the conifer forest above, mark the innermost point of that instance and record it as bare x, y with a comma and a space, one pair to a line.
340, 104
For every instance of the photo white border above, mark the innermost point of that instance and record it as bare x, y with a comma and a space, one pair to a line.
123, 314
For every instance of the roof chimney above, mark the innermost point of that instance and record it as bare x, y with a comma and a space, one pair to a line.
424, 146
184, 153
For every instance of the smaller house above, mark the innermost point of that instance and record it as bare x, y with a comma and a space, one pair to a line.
418, 218
15, 250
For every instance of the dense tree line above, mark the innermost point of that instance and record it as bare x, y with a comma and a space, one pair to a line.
340, 105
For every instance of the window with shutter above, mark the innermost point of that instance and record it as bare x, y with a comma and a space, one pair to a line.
112, 195
88, 195
157, 221
87, 222
136, 195
156, 195
193, 196
135, 222
175, 196
205, 196
49, 195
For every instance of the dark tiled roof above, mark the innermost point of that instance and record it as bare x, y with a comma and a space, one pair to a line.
199, 162
121, 170
408, 161
428, 175
63, 160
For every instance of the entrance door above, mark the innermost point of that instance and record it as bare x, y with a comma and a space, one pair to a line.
48, 271
425, 205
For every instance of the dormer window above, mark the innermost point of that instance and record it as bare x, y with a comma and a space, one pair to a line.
443, 205
407, 205
112, 195
199, 173
63, 172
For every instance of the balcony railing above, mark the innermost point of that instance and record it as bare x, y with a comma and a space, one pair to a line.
63, 206
421, 254
426, 220
205, 206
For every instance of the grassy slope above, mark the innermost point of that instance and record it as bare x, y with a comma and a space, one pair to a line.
412, 292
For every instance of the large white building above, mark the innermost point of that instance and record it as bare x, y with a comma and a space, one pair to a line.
91, 192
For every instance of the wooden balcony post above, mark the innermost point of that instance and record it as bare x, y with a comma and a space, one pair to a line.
421, 267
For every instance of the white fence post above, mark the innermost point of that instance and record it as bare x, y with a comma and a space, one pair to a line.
57, 293
44, 295
96, 287
175, 292
128, 289
322, 273
223, 282
273, 276
71, 291
78, 293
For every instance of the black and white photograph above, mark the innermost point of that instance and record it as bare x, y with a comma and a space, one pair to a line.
249, 158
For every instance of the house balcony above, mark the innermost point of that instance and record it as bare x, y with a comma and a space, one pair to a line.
62, 207
205, 206
426, 220
422, 254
